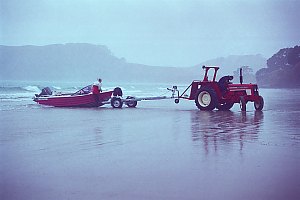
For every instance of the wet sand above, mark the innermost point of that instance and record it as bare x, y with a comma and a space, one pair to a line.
159, 150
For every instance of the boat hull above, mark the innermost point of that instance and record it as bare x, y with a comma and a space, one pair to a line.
84, 100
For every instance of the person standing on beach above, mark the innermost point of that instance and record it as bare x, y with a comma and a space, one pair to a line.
97, 86
96, 89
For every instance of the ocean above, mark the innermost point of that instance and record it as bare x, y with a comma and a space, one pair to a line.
158, 150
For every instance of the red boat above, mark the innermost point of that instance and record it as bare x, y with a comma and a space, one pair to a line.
85, 97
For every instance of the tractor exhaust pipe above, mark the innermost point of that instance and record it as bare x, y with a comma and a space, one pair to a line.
241, 75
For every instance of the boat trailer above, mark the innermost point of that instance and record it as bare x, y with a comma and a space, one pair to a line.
117, 101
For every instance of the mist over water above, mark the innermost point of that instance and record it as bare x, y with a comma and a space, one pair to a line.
159, 150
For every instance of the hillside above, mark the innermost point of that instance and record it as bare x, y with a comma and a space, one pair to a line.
86, 62
283, 69
80, 62
232, 62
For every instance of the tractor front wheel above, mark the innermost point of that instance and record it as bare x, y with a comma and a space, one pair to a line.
258, 105
206, 99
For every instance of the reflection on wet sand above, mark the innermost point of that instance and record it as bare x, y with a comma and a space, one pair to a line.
224, 127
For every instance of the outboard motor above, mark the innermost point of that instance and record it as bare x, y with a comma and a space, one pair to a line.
45, 91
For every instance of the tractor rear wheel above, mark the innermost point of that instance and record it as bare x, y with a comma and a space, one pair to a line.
243, 104
258, 105
224, 106
206, 99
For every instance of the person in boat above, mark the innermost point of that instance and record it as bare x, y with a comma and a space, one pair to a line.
97, 86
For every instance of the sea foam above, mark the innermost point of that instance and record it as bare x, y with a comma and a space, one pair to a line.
31, 88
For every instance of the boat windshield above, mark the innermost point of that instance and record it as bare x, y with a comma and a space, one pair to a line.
85, 90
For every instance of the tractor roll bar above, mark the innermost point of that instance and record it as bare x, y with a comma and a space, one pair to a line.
206, 68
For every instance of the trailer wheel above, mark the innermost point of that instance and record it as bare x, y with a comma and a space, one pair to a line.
224, 106
243, 104
206, 99
131, 104
116, 102
258, 105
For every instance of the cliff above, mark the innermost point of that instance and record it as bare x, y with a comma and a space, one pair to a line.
282, 71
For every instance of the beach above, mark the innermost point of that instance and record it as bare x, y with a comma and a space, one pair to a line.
159, 150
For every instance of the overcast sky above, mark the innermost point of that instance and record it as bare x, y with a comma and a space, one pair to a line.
156, 32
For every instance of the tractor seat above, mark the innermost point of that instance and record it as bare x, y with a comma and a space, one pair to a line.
223, 83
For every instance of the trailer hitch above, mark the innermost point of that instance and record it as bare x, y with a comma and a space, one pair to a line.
175, 93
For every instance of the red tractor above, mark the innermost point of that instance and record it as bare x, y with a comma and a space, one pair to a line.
222, 94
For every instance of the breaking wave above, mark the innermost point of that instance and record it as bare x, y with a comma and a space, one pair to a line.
18, 93
32, 88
